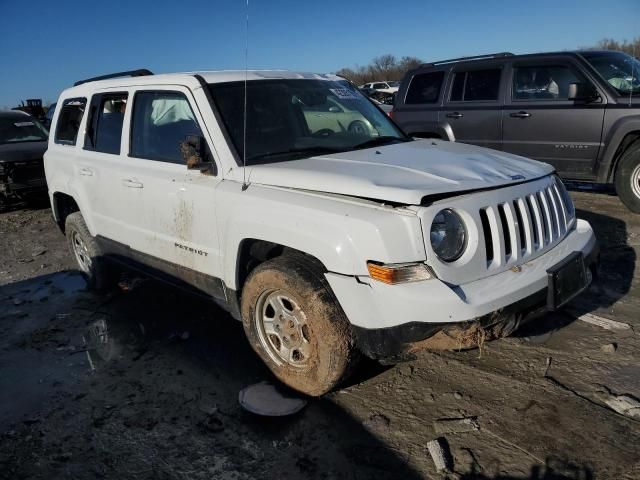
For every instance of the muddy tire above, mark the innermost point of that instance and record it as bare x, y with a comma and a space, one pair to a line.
296, 326
98, 272
627, 179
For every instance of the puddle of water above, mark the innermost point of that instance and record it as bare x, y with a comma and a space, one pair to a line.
66, 283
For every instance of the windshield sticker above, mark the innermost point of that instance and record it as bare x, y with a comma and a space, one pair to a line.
24, 124
343, 93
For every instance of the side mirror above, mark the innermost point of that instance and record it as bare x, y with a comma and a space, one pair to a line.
581, 91
194, 154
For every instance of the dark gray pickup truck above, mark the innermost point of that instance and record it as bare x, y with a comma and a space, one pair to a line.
579, 111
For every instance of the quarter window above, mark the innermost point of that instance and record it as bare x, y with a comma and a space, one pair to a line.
476, 85
543, 82
425, 88
161, 122
104, 132
69, 120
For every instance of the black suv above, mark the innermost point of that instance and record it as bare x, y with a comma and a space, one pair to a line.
23, 141
579, 111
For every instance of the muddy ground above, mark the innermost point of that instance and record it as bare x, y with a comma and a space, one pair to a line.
143, 384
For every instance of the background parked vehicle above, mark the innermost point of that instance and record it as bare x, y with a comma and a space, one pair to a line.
23, 141
385, 87
383, 92
575, 110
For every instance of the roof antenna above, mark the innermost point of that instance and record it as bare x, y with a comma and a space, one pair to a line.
245, 185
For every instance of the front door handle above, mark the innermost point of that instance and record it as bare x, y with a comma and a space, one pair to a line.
87, 172
127, 182
520, 114
455, 115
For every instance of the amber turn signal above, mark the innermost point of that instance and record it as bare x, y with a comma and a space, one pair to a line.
395, 273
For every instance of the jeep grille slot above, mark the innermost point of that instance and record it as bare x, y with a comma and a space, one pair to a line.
488, 241
523, 227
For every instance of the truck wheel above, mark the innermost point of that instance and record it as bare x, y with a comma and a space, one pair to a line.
98, 273
627, 179
296, 326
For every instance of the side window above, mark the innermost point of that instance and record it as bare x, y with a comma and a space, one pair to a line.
379, 86
104, 130
476, 85
425, 88
543, 82
161, 121
69, 120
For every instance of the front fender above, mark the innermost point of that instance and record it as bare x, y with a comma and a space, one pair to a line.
341, 232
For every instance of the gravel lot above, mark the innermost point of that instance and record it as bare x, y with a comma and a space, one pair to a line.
158, 400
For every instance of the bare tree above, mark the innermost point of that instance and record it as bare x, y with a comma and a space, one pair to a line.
630, 47
384, 67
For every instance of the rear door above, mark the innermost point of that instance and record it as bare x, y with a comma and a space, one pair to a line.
417, 112
474, 102
540, 122
99, 170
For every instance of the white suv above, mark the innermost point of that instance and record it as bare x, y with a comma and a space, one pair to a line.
383, 87
326, 242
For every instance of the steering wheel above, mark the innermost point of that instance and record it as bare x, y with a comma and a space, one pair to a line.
323, 132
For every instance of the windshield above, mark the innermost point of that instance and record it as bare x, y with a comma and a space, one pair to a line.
394, 84
21, 128
620, 70
293, 119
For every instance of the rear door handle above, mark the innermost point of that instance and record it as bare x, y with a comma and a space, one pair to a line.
87, 172
455, 115
127, 182
520, 114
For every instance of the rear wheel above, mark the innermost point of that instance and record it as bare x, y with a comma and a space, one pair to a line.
627, 178
98, 273
296, 326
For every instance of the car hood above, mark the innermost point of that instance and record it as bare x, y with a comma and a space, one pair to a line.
19, 152
403, 172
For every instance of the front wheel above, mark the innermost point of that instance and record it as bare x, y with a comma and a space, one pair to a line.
296, 326
98, 273
627, 179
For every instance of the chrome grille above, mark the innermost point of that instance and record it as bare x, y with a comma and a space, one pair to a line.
525, 226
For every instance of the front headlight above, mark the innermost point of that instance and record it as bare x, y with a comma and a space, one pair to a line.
448, 235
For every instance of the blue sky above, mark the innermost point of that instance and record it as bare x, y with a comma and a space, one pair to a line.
70, 39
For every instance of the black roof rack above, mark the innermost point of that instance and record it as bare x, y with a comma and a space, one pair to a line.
141, 72
475, 57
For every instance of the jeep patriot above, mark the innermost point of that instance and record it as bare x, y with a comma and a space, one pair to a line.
297, 205
578, 111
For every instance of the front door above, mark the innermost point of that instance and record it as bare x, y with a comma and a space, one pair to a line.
473, 110
175, 210
540, 122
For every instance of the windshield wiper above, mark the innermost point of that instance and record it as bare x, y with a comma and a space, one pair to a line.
379, 141
294, 153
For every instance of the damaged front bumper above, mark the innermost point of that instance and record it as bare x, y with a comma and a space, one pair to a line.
22, 178
391, 322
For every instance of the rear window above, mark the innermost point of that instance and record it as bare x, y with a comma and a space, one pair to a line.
69, 120
476, 85
425, 88
105, 124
